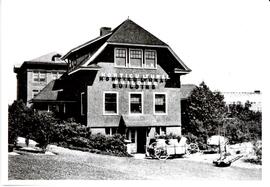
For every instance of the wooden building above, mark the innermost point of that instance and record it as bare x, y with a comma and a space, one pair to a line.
124, 81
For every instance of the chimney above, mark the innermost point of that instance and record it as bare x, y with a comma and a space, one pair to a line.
104, 30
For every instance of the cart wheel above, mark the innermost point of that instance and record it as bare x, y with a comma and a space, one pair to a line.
161, 154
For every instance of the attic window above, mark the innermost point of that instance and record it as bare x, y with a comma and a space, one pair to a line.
135, 58
150, 59
120, 57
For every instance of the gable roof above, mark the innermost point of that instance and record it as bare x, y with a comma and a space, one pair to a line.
127, 33
132, 33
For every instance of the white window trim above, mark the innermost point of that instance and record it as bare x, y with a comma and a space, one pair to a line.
82, 112
144, 64
129, 94
117, 104
154, 103
129, 58
115, 65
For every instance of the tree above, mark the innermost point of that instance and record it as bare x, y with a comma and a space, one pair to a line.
204, 113
24, 121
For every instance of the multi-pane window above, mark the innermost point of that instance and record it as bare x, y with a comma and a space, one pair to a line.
110, 103
160, 104
150, 59
42, 77
136, 103
120, 57
135, 56
39, 76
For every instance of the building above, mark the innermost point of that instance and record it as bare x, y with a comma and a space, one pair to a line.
255, 99
34, 75
125, 81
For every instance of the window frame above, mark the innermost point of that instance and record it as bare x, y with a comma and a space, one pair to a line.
129, 103
35, 91
154, 103
38, 76
129, 57
117, 103
126, 63
155, 64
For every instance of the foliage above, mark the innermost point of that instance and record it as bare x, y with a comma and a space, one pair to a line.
203, 114
25, 122
19, 117
243, 124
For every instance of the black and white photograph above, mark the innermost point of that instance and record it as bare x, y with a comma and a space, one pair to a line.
145, 90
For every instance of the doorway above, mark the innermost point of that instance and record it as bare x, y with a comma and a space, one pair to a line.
141, 139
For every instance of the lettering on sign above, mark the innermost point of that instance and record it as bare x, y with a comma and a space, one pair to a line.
136, 81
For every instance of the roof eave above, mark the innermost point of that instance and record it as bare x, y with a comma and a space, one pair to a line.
84, 45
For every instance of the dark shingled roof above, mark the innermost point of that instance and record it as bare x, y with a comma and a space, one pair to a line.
186, 90
130, 32
126, 32
52, 92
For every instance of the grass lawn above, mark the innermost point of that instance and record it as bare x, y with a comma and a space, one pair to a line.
83, 165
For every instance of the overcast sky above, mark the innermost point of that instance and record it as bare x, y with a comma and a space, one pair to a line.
225, 43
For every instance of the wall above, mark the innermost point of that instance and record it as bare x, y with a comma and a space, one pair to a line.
95, 98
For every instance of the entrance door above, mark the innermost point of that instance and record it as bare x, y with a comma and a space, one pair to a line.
141, 140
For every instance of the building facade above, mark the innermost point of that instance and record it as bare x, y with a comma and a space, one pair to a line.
254, 98
34, 75
125, 81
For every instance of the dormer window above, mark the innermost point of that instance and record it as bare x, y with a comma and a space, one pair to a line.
120, 57
135, 56
150, 59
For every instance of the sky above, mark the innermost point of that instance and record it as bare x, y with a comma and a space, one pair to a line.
224, 43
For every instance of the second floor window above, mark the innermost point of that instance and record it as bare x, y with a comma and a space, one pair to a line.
120, 57
135, 56
150, 59
39, 76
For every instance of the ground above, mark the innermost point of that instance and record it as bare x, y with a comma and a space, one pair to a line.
70, 164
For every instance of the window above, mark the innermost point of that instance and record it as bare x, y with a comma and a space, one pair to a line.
160, 103
83, 103
135, 58
60, 74
39, 76
120, 57
42, 77
150, 59
35, 76
132, 135
110, 130
136, 103
35, 93
110, 103
54, 75
161, 130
